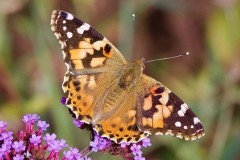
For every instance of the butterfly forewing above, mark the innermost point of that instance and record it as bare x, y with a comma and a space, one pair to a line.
88, 56
83, 47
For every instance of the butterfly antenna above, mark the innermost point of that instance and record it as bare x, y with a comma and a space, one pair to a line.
134, 25
160, 59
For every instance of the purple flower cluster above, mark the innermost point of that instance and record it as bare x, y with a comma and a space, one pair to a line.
33, 144
124, 149
99, 143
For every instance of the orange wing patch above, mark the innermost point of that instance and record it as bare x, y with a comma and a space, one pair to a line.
121, 129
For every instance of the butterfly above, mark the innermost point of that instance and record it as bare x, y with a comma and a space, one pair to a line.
113, 95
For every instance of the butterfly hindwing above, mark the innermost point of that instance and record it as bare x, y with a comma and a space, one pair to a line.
121, 124
163, 112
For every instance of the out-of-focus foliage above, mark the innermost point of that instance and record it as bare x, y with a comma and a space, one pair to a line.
32, 69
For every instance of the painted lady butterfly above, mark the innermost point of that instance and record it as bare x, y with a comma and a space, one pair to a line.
113, 95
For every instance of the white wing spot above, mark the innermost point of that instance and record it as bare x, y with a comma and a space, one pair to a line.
80, 30
69, 34
64, 28
184, 107
86, 26
185, 127
83, 28
64, 21
192, 126
183, 110
178, 124
196, 120
180, 113
69, 16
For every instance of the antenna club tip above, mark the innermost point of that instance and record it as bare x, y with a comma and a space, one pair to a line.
187, 53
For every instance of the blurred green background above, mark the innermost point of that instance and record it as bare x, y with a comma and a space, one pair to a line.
208, 80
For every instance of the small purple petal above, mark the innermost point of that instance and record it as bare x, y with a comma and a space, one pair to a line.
49, 138
78, 123
73, 153
6, 136
18, 146
124, 144
3, 126
63, 100
5, 149
18, 157
35, 140
62, 143
42, 125
136, 149
146, 142
54, 146
139, 157
30, 118
57, 145
99, 143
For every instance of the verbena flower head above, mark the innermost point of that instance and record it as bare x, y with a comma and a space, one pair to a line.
130, 151
32, 143
30, 118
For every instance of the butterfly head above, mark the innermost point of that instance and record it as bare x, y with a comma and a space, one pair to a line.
139, 63
131, 74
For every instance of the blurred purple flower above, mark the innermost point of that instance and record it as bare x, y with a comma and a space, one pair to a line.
73, 153
63, 100
136, 149
42, 125
124, 144
49, 138
78, 123
3, 126
99, 143
146, 142
6, 136
5, 149
30, 118
18, 146
18, 157
57, 145
49, 148
139, 157
62, 143
35, 140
